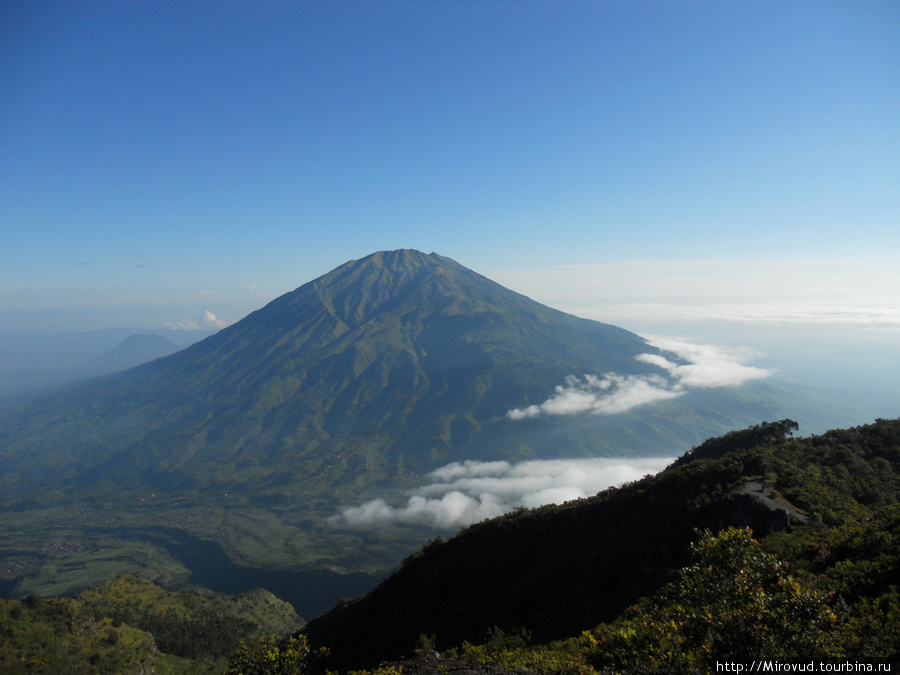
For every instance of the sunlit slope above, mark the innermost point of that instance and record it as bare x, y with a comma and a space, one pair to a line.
129, 625
384, 368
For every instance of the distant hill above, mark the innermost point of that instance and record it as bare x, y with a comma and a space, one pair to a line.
130, 625
827, 504
137, 349
32, 363
353, 386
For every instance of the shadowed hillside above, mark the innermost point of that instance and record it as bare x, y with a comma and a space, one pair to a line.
560, 570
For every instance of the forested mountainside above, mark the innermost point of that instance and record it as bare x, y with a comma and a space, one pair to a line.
827, 505
342, 383
755, 544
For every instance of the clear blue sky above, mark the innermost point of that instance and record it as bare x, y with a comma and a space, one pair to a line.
162, 159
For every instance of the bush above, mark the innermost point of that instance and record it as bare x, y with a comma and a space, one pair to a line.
273, 656
734, 601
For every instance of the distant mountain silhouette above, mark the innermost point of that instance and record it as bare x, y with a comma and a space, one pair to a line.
134, 351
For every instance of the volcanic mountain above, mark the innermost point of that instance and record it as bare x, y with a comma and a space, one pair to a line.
388, 365
395, 363
353, 385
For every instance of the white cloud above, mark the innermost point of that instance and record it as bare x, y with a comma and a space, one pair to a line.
207, 322
605, 395
467, 492
707, 366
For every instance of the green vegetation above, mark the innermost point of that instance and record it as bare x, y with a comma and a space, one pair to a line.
823, 578
49, 635
271, 655
130, 625
190, 624
755, 545
733, 601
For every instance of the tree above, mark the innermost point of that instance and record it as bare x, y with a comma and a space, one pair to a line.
733, 602
273, 656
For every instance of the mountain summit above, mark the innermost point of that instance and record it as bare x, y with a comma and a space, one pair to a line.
387, 366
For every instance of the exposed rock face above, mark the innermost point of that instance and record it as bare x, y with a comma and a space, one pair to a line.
783, 511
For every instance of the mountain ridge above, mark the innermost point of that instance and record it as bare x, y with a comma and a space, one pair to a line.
553, 572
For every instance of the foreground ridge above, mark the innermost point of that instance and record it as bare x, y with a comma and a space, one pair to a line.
558, 571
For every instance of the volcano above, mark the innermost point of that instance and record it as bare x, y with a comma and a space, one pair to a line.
386, 367
353, 387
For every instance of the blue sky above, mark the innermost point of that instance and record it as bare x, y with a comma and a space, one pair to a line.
652, 164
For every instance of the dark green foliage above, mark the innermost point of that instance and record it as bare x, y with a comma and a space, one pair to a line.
557, 571
128, 621
205, 634
62, 635
271, 655
733, 602
189, 624
766, 433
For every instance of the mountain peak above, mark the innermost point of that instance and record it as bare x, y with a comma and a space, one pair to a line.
403, 257
360, 290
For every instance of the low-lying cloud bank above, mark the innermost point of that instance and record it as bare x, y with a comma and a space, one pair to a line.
700, 366
463, 493
828, 291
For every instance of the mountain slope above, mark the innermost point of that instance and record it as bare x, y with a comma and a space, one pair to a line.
137, 349
560, 570
398, 358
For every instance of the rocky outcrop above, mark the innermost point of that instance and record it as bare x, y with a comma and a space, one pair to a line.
756, 505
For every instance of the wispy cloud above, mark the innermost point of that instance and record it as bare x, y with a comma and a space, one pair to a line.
463, 493
606, 395
860, 313
702, 366
708, 366
207, 322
